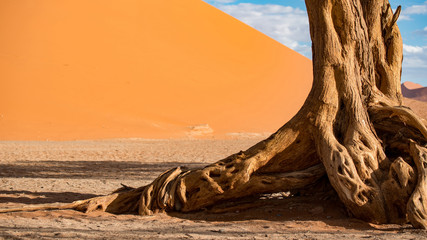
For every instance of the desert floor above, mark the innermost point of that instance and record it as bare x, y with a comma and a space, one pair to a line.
60, 172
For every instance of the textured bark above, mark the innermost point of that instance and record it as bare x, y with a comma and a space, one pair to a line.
352, 127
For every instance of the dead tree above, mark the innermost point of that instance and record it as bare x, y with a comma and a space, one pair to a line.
352, 127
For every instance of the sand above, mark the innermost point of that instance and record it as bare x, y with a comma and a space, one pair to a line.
37, 172
419, 107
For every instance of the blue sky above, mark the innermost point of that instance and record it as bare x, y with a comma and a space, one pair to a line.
286, 21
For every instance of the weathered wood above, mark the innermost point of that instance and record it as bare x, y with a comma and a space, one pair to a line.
352, 127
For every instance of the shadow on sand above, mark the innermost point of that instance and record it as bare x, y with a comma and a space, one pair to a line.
28, 197
295, 210
89, 169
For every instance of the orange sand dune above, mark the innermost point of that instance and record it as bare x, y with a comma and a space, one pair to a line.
414, 91
78, 69
411, 85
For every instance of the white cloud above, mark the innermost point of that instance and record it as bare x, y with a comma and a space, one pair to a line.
416, 9
412, 10
287, 25
412, 49
414, 57
414, 64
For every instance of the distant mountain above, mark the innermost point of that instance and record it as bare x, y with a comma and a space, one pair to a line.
414, 91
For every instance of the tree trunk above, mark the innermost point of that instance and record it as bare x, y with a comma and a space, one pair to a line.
352, 127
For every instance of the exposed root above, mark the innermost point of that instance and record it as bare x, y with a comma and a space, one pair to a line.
417, 204
362, 196
407, 116
168, 192
89, 205
397, 189
160, 194
70, 206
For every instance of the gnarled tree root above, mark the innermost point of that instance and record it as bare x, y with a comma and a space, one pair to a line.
352, 127
167, 193
417, 204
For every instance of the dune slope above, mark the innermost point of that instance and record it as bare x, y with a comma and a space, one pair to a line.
414, 91
76, 69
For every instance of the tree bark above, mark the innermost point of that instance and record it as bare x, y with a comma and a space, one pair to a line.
352, 127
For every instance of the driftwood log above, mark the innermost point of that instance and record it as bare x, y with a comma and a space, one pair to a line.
352, 128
